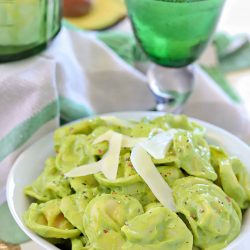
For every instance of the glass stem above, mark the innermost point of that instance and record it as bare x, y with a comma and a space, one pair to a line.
170, 86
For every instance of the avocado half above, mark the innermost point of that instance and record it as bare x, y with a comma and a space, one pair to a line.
104, 14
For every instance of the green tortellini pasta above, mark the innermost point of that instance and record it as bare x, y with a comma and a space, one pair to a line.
213, 217
159, 228
233, 177
235, 181
194, 155
126, 173
51, 184
140, 129
73, 208
85, 185
74, 151
128, 182
170, 158
80, 243
92, 212
77, 244
47, 220
170, 174
138, 190
217, 155
105, 215
82, 127
152, 205
178, 122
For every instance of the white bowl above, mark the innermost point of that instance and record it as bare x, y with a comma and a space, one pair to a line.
31, 162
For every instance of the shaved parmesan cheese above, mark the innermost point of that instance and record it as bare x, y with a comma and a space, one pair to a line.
110, 161
157, 145
127, 141
155, 131
91, 168
112, 120
108, 165
144, 166
130, 142
104, 137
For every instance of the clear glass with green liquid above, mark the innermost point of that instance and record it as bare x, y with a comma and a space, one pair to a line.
174, 33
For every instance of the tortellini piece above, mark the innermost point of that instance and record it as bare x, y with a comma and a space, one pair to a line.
51, 184
233, 176
77, 244
129, 182
170, 174
76, 150
142, 192
235, 181
126, 173
159, 229
47, 220
170, 121
85, 185
140, 129
217, 155
152, 205
80, 243
73, 208
213, 217
193, 155
82, 127
138, 190
105, 215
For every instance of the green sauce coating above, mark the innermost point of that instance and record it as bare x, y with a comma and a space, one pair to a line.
86, 185
159, 228
235, 181
105, 215
213, 217
233, 176
82, 127
73, 208
169, 121
51, 184
74, 151
47, 220
193, 154
80, 243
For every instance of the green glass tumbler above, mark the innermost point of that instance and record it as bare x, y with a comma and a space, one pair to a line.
173, 34
27, 27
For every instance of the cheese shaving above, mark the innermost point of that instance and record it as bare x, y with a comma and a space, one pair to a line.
130, 142
112, 120
104, 137
144, 166
158, 144
109, 163
91, 168
127, 141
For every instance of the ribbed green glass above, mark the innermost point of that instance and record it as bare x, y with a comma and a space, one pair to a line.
173, 33
27, 26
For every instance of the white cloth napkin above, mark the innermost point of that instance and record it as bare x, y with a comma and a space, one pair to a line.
79, 75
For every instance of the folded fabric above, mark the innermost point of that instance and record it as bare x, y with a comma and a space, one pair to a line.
78, 75
233, 52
